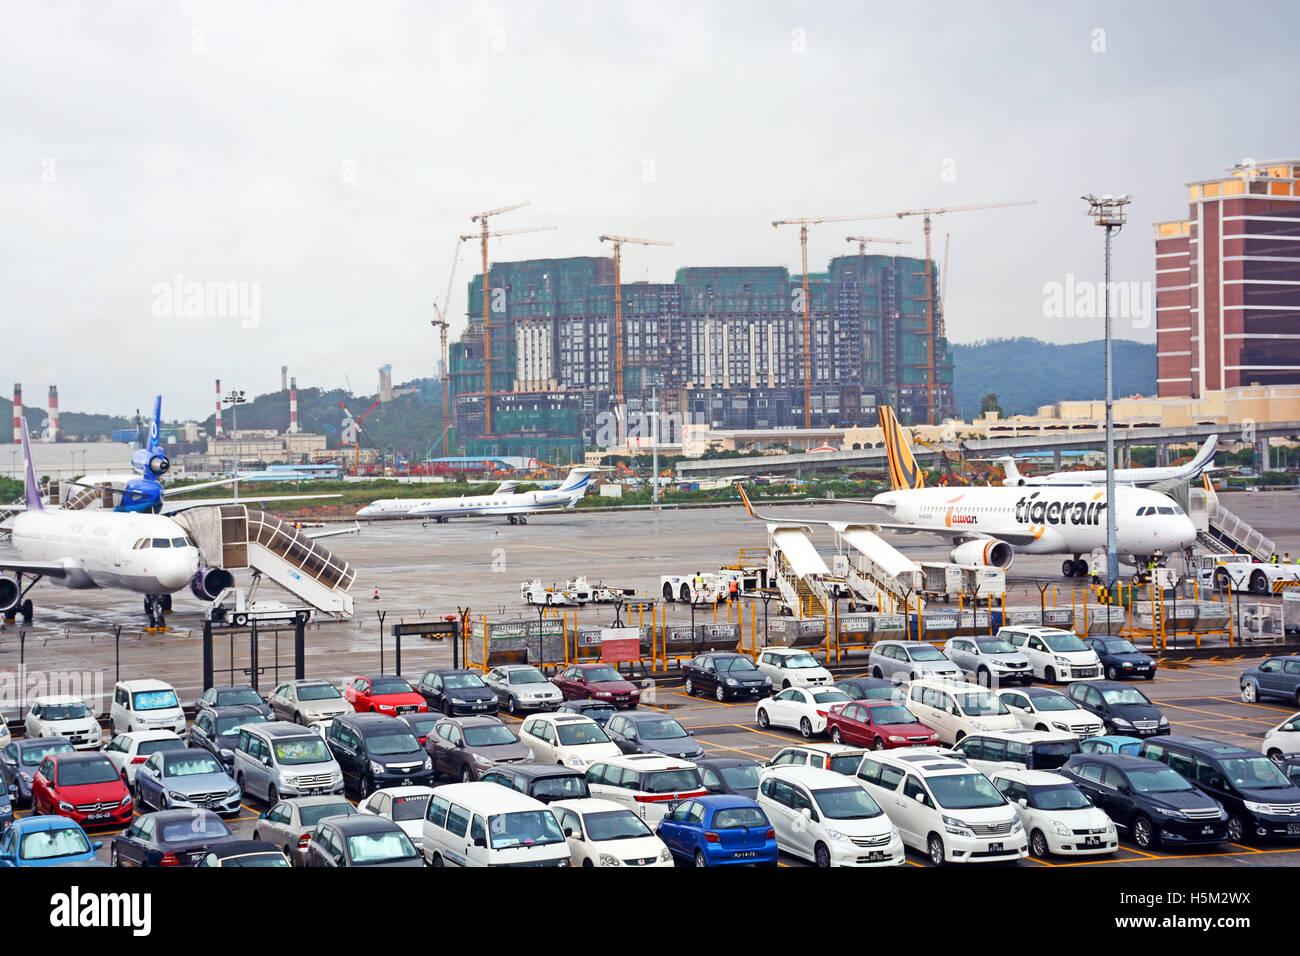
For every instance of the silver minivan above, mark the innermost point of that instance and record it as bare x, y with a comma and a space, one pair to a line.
280, 759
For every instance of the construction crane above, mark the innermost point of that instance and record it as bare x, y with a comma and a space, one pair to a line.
943, 289
484, 235
618, 305
440, 323
863, 240
350, 435
931, 331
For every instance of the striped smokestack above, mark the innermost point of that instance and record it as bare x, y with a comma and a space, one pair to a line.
18, 413
53, 430
293, 406
220, 432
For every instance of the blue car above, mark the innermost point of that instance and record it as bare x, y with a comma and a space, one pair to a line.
1120, 658
1111, 744
720, 830
46, 841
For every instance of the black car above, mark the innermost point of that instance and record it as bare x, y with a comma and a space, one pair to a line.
1153, 804
362, 840
1119, 658
457, 692
421, 724
234, 695
1277, 677
541, 781
597, 710
20, 758
375, 750
726, 676
1291, 767
649, 732
216, 729
169, 838
1261, 801
736, 775
6, 806
244, 853
870, 688
1124, 710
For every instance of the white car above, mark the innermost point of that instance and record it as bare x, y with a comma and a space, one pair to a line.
404, 806
1056, 814
988, 660
127, 751
840, 758
1056, 656
571, 740
800, 708
146, 705
523, 687
1283, 740
647, 784
64, 717
828, 818
604, 833
953, 709
5, 736
792, 667
1041, 708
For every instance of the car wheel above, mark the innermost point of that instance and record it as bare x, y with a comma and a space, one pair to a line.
719, 694
272, 795
367, 786
587, 862
984, 677
805, 727
445, 707
878, 743
510, 704
466, 776
877, 673
1111, 673
836, 736
699, 859
1249, 692
668, 593
785, 685
935, 847
690, 687
763, 720
1144, 834
1049, 675
1275, 756
1038, 844
1258, 583
1150, 675
437, 860
821, 855
1236, 829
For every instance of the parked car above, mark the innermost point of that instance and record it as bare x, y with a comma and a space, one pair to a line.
146, 705
597, 681
954, 710
1291, 767
405, 806
1056, 814
1274, 677
464, 748
988, 750
128, 751
84, 787
1282, 740
361, 840
840, 758
1120, 658
991, 661
910, 660
568, 739
597, 710
244, 853
726, 676
290, 823
880, 725
457, 692
603, 833
822, 816
421, 725
738, 775
383, 694
647, 784
64, 717
523, 687
1123, 709
1111, 744
541, 781
46, 841
805, 709
189, 778
376, 751
308, 701
792, 667
216, 730
169, 838
723, 830
1041, 708
871, 688
1057, 656
234, 695
1262, 803
278, 759
483, 824
5, 737
1151, 803
650, 732
6, 807
20, 758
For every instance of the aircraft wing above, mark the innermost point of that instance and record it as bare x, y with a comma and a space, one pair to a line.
331, 532
172, 508
957, 535
34, 567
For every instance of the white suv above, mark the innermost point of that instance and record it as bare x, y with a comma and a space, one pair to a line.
828, 818
64, 717
570, 740
792, 667
1056, 814
955, 709
1056, 656
146, 705
1282, 740
647, 784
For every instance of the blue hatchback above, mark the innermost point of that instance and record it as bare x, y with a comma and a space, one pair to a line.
45, 841
720, 830
1111, 744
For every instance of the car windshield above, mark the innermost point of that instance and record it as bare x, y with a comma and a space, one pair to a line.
965, 791
1064, 642
797, 662
1064, 796
891, 714
410, 807
980, 703
147, 747
33, 755
847, 803
389, 685
1051, 702
1123, 695
660, 728
191, 765
239, 695
154, 699
383, 744
882, 693
727, 665
1162, 780
421, 723
737, 818
1048, 755
227, 725
530, 676
64, 711
993, 645
597, 674
926, 652
561, 787
494, 735
673, 781
193, 827
49, 844
257, 859
1255, 773
315, 813
596, 712
462, 681
615, 825
368, 848
743, 777
523, 828
1119, 647
88, 771
577, 733
305, 749
318, 692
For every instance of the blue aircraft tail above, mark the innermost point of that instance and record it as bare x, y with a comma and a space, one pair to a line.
31, 490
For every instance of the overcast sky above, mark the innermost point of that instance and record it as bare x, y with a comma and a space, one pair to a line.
327, 155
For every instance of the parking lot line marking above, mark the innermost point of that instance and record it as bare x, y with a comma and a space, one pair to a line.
1256, 706
1198, 710
736, 750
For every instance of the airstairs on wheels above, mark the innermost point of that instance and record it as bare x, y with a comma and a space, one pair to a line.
797, 570
1218, 530
878, 573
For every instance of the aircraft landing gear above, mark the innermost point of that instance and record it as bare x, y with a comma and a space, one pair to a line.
513, 519
523, 520
517, 519
25, 609
1074, 568
153, 609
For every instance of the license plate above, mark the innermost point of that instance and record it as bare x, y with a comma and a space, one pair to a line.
314, 791
98, 816
1293, 829
995, 847
875, 856
408, 709
1207, 830
482, 706
745, 854
1092, 841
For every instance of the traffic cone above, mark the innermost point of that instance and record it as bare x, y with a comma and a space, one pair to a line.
376, 595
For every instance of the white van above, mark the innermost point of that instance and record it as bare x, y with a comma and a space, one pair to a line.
484, 824
146, 705
944, 808
956, 709
650, 785
828, 818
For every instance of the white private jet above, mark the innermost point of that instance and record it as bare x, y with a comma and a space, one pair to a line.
1190, 471
503, 501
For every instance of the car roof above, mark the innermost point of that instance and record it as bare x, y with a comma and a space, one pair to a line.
866, 681
943, 683
815, 778
305, 681
567, 718
448, 671
782, 649
1041, 691
1037, 629
1024, 733
585, 805
168, 816
503, 799
221, 687
469, 720
1031, 778
727, 762
230, 710
823, 748
648, 762
362, 823
639, 715
535, 770
920, 762
180, 753
728, 801
141, 736
1203, 745
59, 699
316, 801
280, 728
371, 721
94, 756
24, 742
381, 677
407, 790
1120, 761
144, 683
515, 667
242, 848
1110, 685
46, 821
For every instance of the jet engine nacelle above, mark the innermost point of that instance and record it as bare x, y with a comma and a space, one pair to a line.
989, 552
208, 583
10, 594
150, 463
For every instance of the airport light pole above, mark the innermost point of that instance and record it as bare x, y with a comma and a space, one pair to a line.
234, 399
1109, 213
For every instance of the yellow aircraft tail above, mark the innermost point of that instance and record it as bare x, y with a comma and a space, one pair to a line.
904, 472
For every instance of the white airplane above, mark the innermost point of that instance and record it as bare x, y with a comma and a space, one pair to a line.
503, 501
989, 525
1124, 476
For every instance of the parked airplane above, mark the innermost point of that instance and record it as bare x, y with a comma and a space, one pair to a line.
989, 525
1124, 476
503, 501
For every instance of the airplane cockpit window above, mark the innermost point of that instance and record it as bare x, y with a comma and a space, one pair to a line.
180, 542
162, 543
143, 543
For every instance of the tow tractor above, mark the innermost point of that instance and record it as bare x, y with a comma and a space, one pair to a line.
1245, 572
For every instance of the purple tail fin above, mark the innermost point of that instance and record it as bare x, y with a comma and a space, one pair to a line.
31, 490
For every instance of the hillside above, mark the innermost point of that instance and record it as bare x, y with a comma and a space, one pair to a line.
1026, 373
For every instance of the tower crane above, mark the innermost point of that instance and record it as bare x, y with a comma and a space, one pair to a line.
862, 242
440, 323
618, 305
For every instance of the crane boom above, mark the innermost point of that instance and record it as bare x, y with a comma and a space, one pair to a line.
618, 305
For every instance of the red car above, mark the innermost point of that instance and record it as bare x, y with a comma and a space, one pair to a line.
597, 682
383, 694
84, 787
880, 725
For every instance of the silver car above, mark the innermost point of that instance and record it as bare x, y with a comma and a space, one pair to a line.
289, 824
523, 687
279, 759
910, 660
305, 701
992, 661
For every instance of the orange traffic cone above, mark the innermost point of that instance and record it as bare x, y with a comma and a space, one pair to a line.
376, 596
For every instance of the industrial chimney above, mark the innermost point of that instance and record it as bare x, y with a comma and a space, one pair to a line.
18, 413
219, 431
385, 383
293, 406
52, 431
284, 378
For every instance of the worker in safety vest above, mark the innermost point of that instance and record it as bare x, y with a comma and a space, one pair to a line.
733, 589
1273, 559
698, 583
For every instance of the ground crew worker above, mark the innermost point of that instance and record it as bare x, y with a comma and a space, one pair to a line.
733, 589
699, 584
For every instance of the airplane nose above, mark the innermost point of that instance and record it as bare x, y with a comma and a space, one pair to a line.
180, 570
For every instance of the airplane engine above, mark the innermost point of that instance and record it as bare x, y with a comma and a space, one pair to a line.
10, 594
208, 583
989, 552
150, 464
